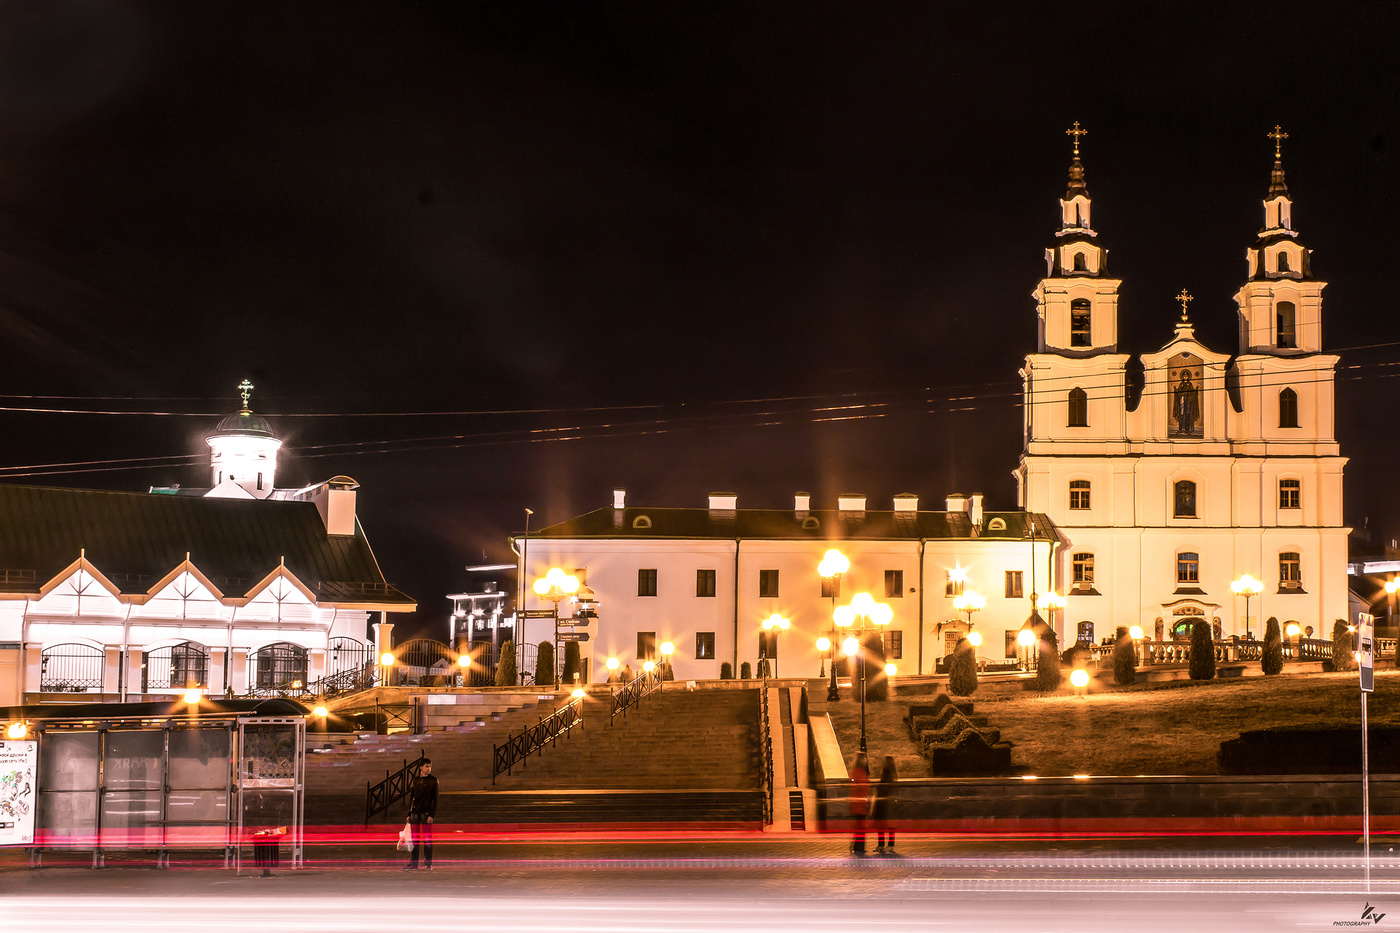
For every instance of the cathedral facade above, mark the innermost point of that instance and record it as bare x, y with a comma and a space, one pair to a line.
1212, 467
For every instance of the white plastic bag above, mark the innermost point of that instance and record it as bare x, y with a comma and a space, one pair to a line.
406, 839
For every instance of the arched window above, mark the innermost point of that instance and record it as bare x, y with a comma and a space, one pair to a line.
1287, 323
1288, 409
1282, 261
1078, 408
1290, 570
1079, 263
1079, 319
641, 522
1079, 493
1184, 499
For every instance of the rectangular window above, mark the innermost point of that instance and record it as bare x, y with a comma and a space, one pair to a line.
1013, 584
259, 481
894, 644
646, 582
894, 584
953, 582
1188, 568
704, 646
768, 583
1290, 493
705, 583
767, 644
1079, 493
646, 645
1184, 499
831, 587
1011, 645
1079, 323
1290, 571
1083, 569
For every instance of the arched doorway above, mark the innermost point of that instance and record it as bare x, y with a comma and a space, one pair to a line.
278, 667
176, 667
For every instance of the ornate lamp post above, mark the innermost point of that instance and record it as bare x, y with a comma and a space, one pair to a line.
554, 586
774, 621
969, 602
1025, 638
832, 565
865, 611
1053, 602
1246, 586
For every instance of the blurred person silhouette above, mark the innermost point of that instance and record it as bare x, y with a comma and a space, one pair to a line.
422, 808
860, 801
883, 797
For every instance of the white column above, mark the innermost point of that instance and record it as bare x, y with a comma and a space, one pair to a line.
383, 639
110, 665
217, 684
133, 671
315, 664
33, 668
238, 670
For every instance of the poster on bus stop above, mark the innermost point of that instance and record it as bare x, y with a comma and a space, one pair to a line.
17, 792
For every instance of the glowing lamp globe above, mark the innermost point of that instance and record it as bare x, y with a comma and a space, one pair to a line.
1079, 678
850, 646
320, 711
578, 692
1292, 630
667, 648
974, 639
192, 696
823, 644
1135, 632
890, 670
1026, 638
386, 659
881, 614
844, 616
17, 730
648, 666
613, 664
464, 661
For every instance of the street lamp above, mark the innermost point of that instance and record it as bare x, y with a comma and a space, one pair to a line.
554, 586
863, 609
774, 621
1135, 633
1025, 638
969, 602
386, 664
17, 731
832, 565
1052, 602
824, 648
666, 651
1246, 586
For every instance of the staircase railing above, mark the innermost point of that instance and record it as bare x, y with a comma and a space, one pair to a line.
766, 739
395, 787
631, 694
518, 748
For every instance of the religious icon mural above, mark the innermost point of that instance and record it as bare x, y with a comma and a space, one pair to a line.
1184, 377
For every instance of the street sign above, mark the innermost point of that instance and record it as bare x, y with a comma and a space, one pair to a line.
574, 623
1366, 651
573, 636
537, 614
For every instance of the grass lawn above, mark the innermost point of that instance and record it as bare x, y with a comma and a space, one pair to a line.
1167, 728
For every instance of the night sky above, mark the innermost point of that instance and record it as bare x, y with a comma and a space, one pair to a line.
484, 257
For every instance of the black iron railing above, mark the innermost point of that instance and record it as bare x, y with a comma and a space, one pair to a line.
766, 739
631, 694
519, 748
395, 787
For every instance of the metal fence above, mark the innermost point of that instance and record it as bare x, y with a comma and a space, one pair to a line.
277, 668
425, 662
176, 667
71, 668
348, 654
518, 748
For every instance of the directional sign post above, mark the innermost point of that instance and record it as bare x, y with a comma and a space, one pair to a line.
537, 614
573, 636
1366, 657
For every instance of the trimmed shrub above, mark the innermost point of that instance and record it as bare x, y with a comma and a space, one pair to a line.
572, 663
1342, 659
872, 658
1047, 665
726, 671
1202, 665
746, 671
962, 670
544, 664
505, 667
764, 670
1124, 659
1077, 655
1272, 660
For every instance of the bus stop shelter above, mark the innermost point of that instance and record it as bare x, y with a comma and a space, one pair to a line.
164, 776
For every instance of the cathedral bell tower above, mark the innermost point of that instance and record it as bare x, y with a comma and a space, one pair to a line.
1077, 302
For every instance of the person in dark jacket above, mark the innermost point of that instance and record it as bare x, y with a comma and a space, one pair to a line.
422, 808
884, 803
860, 801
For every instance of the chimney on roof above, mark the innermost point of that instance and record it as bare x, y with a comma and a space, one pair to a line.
619, 498
850, 502
957, 502
906, 502
802, 504
335, 500
723, 501
975, 511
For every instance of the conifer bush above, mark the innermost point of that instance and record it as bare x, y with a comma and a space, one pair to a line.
962, 670
572, 663
1047, 667
1124, 659
746, 671
1342, 658
726, 671
544, 664
1272, 661
764, 670
1202, 665
505, 667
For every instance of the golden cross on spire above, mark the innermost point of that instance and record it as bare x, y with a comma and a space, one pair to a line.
244, 388
1278, 136
1185, 299
1076, 132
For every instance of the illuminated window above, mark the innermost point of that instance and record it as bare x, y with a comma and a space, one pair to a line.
952, 583
1079, 493
1083, 567
704, 646
1078, 408
1290, 493
1079, 318
1188, 568
1290, 571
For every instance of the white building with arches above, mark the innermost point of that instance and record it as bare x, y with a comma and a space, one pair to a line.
1214, 467
233, 589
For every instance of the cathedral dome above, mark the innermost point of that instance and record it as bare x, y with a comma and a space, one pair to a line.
244, 422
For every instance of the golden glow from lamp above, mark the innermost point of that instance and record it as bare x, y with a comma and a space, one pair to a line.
1135, 633
891, 669
833, 564
843, 616
648, 666
16, 731
1026, 638
1292, 630
386, 659
613, 664
957, 575
823, 644
775, 621
1052, 601
464, 661
974, 639
193, 696
667, 648
1391, 586
850, 646
320, 711
1246, 586
578, 692
1079, 678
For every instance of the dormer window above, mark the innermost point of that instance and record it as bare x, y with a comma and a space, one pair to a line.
1286, 314
1079, 319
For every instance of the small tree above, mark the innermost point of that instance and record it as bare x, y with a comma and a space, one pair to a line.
962, 670
1047, 665
572, 663
1124, 659
505, 667
872, 659
1202, 665
764, 669
726, 671
544, 664
1272, 661
746, 671
1342, 658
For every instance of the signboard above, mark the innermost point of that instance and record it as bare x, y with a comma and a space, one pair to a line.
17, 792
573, 636
1366, 650
574, 623
537, 614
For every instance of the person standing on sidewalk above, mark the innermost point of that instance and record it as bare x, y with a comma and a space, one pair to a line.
860, 802
422, 807
884, 803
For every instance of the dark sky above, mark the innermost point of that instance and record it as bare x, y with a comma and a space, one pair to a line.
669, 241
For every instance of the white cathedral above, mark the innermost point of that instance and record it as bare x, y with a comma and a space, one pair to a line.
1148, 501
1220, 467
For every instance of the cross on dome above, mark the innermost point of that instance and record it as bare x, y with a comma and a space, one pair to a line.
1076, 132
1278, 136
1185, 298
245, 388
